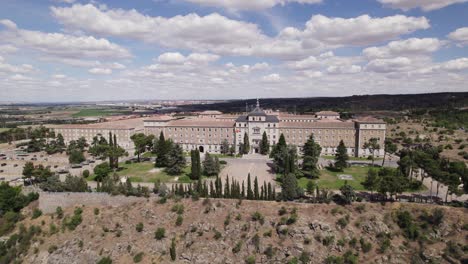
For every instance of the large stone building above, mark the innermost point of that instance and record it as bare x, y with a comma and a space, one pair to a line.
209, 129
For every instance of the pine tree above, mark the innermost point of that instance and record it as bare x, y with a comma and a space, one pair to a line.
162, 148
224, 147
264, 144
250, 194
311, 154
210, 165
176, 160
246, 145
256, 194
341, 157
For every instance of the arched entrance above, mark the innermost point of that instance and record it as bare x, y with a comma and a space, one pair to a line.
201, 149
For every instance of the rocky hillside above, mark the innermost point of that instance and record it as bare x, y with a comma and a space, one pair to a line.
230, 231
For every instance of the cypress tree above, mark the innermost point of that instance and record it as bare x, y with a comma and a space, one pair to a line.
172, 250
269, 194
264, 144
116, 158
195, 166
227, 192
243, 190
250, 194
256, 193
246, 146
212, 190
262, 197
341, 157
111, 148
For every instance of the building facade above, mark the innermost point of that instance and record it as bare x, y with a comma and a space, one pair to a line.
207, 131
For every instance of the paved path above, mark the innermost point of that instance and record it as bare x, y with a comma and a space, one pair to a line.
257, 165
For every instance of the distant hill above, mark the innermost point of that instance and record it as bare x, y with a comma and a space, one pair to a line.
351, 103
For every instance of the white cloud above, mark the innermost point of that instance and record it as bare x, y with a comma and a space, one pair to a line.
103, 71
7, 49
425, 5
326, 62
59, 76
362, 30
274, 77
397, 64
9, 68
249, 4
195, 33
455, 65
407, 47
171, 58
176, 58
460, 35
62, 45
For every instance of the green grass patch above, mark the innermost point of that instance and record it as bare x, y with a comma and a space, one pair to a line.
351, 158
4, 129
329, 179
99, 112
146, 172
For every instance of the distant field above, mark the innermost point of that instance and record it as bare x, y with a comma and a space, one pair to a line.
99, 112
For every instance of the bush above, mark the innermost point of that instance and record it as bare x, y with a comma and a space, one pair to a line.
237, 247
178, 208
258, 217
59, 212
269, 251
51, 249
86, 173
105, 260
343, 222
217, 235
250, 260
282, 211
36, 213
139, 227
160, 233
179, 220
172, 250
138, 257
365, 246
96, 211
304, 257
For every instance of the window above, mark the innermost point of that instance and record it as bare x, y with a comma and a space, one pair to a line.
256, 130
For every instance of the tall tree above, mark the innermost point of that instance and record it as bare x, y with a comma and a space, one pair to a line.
264, 144
256, 193
341, 157
348, 193
210, 167
250, 194
140, 141
390, 148
195, 164
289, 187
246, 145
372, 181
372, 145
163, 147
311, 154
224, 147
176, 160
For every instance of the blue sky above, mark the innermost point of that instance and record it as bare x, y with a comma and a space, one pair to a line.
73, 50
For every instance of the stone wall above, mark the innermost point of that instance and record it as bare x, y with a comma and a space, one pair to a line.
48, 202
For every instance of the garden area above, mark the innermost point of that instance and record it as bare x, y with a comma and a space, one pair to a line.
329, 178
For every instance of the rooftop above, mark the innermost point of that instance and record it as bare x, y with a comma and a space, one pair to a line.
200, 122
132, 123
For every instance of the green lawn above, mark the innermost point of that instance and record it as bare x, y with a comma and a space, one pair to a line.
146, 172
350, 158
4, 129
329, 179
98, 112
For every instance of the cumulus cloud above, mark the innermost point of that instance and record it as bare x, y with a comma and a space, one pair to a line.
249, 4
460, 35
233, 37
362, 30
389, 65
407, 47
425, 5
274, 77
7, 49
103, 71
62, 45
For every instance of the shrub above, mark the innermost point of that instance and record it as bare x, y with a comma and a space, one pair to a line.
304, 257
172, 250
258, 217
365, 246
139, 227
282, 211
96, 211
160, 233
343, 222
86, 173
267, 233
328, 240
217, 235
59, 212
138, 257
250, 260
237, 247
105, 260
179, 220
269, 251
36, 213
178, 208
51, 249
